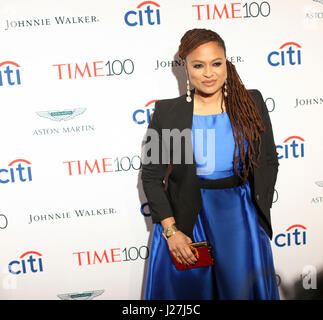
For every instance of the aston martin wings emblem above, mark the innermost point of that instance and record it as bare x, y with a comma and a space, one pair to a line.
63, 115
319, 183
87, 295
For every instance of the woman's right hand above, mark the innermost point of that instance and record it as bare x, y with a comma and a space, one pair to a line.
178, 245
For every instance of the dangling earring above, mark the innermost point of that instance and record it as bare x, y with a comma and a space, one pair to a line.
188, 97
225, 92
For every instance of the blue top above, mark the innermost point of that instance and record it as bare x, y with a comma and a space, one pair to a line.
213, 145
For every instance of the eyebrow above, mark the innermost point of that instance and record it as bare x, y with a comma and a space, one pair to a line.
203, 61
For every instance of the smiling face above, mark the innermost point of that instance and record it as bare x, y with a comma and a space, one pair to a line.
206, 68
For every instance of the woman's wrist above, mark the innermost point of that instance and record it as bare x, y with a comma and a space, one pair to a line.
167, 222
170, 230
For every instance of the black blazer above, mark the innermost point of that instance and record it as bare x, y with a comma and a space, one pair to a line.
173, 190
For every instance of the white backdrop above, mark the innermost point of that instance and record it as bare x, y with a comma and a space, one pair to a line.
78, 80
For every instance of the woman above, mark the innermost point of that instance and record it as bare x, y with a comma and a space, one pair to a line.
224, 195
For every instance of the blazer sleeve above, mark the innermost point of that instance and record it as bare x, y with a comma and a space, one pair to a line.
271, 155
153, 174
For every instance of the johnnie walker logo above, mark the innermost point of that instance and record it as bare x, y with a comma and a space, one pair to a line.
46, 22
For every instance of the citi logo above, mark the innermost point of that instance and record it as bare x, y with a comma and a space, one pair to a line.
293, 148
9, 73
27, 263
289, 54
147, 13
19, 170
141, 116
294, 235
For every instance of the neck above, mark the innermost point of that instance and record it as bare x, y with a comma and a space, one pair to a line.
204, 99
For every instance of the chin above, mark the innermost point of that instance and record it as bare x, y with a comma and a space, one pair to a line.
208, 91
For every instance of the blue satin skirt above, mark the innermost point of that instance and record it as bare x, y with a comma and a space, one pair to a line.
243, 268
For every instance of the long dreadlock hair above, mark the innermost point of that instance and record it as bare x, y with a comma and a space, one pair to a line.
244, 116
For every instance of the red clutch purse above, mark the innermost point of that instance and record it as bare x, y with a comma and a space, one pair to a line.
203, 253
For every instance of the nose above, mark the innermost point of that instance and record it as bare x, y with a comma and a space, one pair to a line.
207, 72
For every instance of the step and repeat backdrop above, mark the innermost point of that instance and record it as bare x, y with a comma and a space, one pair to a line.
78, 83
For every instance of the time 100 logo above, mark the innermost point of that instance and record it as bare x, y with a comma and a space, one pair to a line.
117, 67
113, 255
103, 165
94, 69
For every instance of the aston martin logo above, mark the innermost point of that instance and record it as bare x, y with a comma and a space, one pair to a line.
64, 115
87, 295
319, 183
